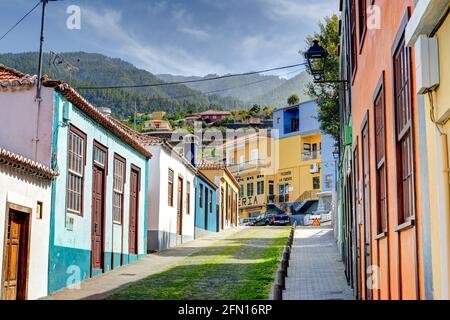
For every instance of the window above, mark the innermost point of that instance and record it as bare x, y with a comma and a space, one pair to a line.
260, 187
210, 201
118, 187
362, 16
200, 200
170, 188
39, 210
278, 120
380, 157
329, 181
75, 170
250, 190
404, 134
188, 197
316, 183
254, 155
306, 151
99, 156
241, 191
353, 43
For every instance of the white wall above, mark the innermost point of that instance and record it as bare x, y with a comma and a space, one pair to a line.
26, 190
19, 112
163, 218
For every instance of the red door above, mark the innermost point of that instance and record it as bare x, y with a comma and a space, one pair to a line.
97, 217
132, 233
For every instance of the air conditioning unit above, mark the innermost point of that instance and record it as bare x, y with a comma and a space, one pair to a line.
314, 168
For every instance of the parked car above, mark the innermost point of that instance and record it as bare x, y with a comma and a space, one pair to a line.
281, 219
263, 219
247, 222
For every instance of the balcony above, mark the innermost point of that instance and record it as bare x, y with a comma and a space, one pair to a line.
253, 164
311, 155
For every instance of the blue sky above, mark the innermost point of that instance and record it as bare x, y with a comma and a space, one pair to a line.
187, 37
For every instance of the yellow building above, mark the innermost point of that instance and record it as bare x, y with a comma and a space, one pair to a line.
428, 32
228, 193
281, 169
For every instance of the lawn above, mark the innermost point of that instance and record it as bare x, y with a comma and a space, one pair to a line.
239, 267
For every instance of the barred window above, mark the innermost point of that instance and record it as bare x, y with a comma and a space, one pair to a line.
170, 188
118, 187
404, 133
188, 197
75, 170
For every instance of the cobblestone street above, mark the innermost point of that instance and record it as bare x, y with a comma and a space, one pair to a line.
316, 271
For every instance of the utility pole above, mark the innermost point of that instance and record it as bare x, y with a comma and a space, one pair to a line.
135, 115
41, 53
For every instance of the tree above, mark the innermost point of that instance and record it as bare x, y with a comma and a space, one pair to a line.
293, 100
268, 112
255, 109
327, 94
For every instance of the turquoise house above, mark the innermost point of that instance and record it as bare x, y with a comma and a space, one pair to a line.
99, 209
206, 211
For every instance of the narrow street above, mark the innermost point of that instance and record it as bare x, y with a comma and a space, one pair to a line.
235, 264
316, 271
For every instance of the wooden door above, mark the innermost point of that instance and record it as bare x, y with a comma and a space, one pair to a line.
180, 207
16, 257
97, 217
366, 208
356, 214
134, 196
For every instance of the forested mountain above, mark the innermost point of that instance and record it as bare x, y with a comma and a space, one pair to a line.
277, 97
245, 88
253, 89
98, 70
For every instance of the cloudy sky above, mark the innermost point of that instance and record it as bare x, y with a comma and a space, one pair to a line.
186, 37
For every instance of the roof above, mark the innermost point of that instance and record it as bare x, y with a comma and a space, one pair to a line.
10, 77
204, 164
296, 105
107, 122
214, 112
19, 162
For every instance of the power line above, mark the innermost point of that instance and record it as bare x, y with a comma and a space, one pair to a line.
234, 87
23, 18
189, 81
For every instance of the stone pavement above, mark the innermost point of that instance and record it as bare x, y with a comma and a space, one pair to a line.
106, 284
316, 271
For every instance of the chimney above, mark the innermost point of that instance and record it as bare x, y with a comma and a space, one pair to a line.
190, 148
105, 111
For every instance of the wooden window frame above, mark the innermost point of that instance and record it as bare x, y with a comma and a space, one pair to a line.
380, 158
353, 38
314, 179
362, 20
83, 136
170, 186
404, 132
200, 196
119, 158
188, 197
252, 189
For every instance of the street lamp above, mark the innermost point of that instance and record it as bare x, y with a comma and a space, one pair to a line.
316, 57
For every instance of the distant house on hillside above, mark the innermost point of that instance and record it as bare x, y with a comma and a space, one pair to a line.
158, 125
213, 116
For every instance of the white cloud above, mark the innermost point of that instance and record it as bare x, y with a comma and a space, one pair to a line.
195, 32
107, 24
299, 9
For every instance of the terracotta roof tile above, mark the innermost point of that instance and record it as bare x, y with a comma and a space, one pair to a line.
9, 158
10, 77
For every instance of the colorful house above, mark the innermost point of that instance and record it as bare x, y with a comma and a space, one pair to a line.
387, 226
206, 208
428, 33
227, 194
25, 201
172, 196
213, 116
288, 169
98, 217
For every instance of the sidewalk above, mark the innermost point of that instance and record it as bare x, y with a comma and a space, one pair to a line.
100, 287
316, 271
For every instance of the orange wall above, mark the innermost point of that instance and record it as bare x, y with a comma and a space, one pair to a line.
396, 253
